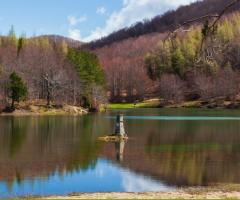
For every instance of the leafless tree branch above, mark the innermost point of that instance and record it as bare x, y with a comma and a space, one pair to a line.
211, 27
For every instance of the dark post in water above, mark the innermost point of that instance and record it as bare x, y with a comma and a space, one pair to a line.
119, 127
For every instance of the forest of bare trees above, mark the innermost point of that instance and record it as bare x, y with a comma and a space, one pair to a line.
129, 60
45, 66
194, 65
125, 73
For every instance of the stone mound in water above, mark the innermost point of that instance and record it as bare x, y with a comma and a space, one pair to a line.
113, 138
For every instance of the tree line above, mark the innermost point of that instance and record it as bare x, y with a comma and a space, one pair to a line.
125, 58
125, 72
49, 69
196, 64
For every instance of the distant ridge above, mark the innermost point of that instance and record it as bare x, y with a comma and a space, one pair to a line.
165, 22
58, 39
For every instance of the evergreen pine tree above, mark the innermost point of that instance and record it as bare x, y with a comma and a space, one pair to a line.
178, 61
18, 89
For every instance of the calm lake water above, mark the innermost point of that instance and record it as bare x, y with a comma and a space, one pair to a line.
167, 149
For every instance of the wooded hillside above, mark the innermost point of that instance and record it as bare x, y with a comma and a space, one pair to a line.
198, 64
126, 58
51, 70
165, 22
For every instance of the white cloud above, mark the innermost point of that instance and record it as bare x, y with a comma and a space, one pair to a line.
73, 21
132, 182
132, 12
99, 172
75, 34
101, 10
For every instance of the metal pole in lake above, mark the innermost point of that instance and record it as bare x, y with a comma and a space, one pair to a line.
119, 127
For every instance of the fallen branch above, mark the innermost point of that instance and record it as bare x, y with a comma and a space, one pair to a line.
223, 12
189, 22
211, 27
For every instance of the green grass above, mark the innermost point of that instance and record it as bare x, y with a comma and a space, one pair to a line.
125, 105
128, 105
144, 104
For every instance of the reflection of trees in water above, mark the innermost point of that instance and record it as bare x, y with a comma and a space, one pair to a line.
208, 154
17, 135
44, 145
87, 148
12, 135
183, 153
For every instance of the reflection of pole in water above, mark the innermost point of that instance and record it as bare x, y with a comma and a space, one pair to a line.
119, 146
119, 127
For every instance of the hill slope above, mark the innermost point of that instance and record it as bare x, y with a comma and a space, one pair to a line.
59, 39
165, 22
122, 54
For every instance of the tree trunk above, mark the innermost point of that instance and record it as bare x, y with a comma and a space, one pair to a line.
12, 106
48, 98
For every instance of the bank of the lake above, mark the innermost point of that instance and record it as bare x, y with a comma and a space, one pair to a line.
219, 192
151, 103
40, 108
214, 103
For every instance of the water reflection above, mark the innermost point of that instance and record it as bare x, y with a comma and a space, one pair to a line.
104, 177
37, 147
60, 155
184, 152
119, 147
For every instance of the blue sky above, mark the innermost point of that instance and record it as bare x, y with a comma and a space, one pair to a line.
84, 20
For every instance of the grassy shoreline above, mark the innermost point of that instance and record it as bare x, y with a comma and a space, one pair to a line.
158, 103
152, 103
43, 110
39, 108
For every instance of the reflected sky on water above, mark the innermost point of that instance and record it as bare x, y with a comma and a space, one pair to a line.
104, 177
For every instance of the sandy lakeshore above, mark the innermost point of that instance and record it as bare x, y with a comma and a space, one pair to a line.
217, 192
153, 195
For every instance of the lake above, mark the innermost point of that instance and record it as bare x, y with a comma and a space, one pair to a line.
167, 149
